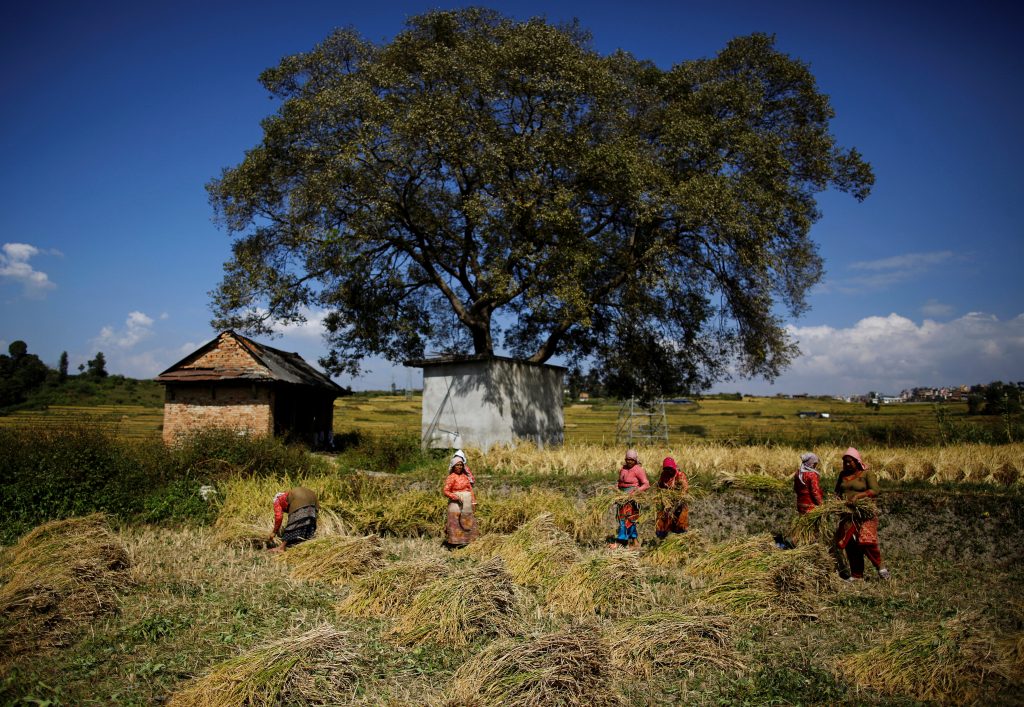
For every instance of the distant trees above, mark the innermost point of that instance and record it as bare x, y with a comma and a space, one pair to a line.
62, 367
97, 367
20, 373
997, 398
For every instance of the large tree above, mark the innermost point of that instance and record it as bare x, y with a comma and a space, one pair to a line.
480, 182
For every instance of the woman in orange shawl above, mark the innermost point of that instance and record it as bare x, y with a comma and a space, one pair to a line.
675, 517
460, 528
857, 537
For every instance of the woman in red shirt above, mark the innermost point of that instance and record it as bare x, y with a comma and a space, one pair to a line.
460, 528
674, 516
807, 484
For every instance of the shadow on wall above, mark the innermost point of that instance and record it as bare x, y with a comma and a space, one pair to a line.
527, 397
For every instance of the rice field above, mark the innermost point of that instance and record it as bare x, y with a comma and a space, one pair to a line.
540, 611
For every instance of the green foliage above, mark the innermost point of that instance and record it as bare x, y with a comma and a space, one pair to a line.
59, 472
380, 451
97, 367
20, 374
503, 171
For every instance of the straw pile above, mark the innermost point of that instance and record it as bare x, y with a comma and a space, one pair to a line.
822, 521
389, 590
405, 514
570, 667
504, 514
456, 608
610, 585
315, 667
675, 550
335, 559
58, 577
948, 661
598, 518
752, 578
648, 644
536, 555
752, 482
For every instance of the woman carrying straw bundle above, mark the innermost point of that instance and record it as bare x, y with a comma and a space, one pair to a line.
632, 480
302, 507
857, 537
675, 517
806, 484
460, 528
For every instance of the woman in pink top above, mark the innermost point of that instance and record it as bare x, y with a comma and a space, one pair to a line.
632, 480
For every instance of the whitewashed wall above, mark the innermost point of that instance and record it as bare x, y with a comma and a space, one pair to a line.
497, 401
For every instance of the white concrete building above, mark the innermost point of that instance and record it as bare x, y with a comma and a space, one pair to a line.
482, 401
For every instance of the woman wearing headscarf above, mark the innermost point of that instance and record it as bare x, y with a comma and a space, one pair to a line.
858, 537
462, 455
460, 528
632, 480
807, 484
302, 507
675, 516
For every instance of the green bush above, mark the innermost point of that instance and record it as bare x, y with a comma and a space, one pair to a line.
59, 472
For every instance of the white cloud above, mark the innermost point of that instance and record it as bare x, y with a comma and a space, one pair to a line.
908, 261
873, 275
14, 264
934, 308
888, 354
137, 327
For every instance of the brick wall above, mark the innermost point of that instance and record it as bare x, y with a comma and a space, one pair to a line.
192, 408
228, 353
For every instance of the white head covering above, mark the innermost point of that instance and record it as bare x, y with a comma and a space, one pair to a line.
460, 453
278, 496
456, 458
808, 464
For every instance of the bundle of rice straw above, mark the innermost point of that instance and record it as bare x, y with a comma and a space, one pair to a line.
598, 518
456, 608
335, 559
647, 644
752, 482
751, 577
316, 667
675, 550
536, 554
948, 661
505, 514
572, 667
821, 522
609, 585
389, 590
58, 577
404, 514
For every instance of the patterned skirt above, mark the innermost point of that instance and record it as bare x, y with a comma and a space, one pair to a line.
461, 528
301, 525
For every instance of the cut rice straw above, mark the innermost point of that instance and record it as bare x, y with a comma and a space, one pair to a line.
647, 644
570, 668
335, 560
948, 661
821, 522
609, 585
754, 579
455, 609
315, 667
57, 578
675, 550
536, 554
389, 590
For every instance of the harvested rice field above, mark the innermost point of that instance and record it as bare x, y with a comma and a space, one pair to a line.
539, 611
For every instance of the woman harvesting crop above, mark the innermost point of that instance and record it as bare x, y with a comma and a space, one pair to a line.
460, 528
857, 536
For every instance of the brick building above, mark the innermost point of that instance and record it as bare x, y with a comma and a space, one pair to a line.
235, 383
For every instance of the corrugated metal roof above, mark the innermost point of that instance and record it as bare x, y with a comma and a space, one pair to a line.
276, 365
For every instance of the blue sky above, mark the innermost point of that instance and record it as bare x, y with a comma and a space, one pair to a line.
116, 115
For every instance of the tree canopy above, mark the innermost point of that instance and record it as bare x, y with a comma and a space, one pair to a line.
481, 183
